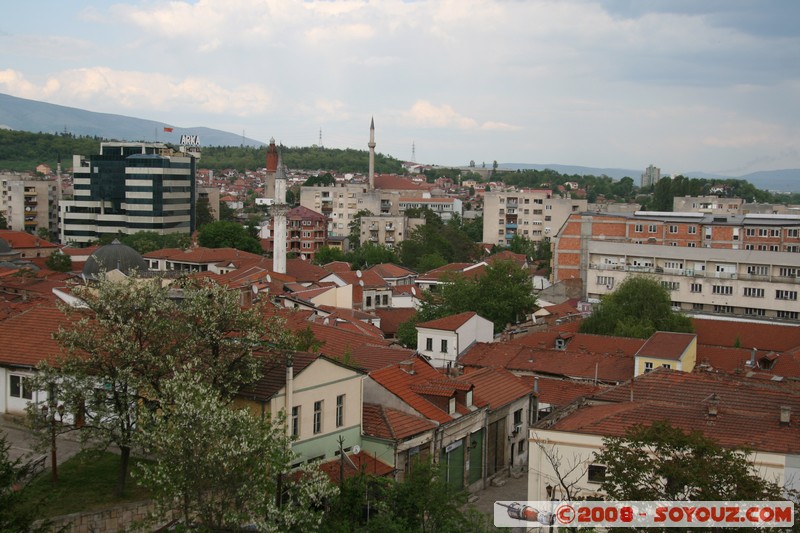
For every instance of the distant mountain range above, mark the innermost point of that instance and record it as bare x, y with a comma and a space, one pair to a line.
33, 116
40, 117
787, 180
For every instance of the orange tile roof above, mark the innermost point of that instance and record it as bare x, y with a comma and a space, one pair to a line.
364, 463
392, 318
337, 266
778, 337
560, 392
666, 345
438, 273
305, 271
391, 271
399, 382
747, 410
369, 277
371, 357
19, 240
391, 424
717, 358
394, 182
448, 323
27, 338
495, 387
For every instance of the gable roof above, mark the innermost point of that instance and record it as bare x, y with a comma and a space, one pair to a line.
777, 337
391, 271
390, 424
666, 345
19, 240
748, 411
27, 338
495, 387
305, 271
364, 463
448, 323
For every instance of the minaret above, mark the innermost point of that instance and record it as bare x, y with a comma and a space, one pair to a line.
272, 166
279, 229
371, 145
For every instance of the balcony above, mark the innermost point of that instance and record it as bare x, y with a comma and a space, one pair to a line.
511, 225
389, 239
389, 227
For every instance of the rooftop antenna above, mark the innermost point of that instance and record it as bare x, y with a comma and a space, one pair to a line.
413, 152
320, 138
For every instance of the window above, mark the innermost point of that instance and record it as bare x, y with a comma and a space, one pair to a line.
340, 410
752, 292
774, 233
692, 229
697, 307
20, 387
444, 345
793, 233
429, 344
696, 287
607, 281
521, 447
673, 229
785, 295
723, 309
385, 299
666, 365
757, 270
671, 285
368, 303
596, 474
792, 315
648, 366
638, 228
296, 421
651, 228
691, 245
722, 289
787, 272
755, 312
518, 417
317, 417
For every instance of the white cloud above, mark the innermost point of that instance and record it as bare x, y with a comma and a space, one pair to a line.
101, 88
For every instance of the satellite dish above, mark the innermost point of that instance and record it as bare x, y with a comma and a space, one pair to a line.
269, 278
255, 288
358, 273
414, 291
356, 449
361, 282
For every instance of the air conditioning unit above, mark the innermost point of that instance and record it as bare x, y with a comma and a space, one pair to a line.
517, 429
609, 286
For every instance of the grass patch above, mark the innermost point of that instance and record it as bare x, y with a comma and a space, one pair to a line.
86, 482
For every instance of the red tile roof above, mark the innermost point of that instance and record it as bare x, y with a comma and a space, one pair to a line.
392, 318
495, 387
394, 182
27, 338
337, 266
666, 345
19, 240
391, 424
305, 271
560, 392
200, 255
363, 462
448, 323
748, 411
391, 271
777, 337
371, 357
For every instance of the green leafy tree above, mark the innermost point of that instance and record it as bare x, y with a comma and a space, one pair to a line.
130, 337
43, 233
370, 254
59, 262
328, 254
224, 234
662, 462
203, 213
638, 307
223, 468
3, 221
320, 180
16, 513
226, 213
355, 228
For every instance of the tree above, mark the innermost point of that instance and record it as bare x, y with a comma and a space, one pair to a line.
131, 335
43, 233
355, 228
638, 307
204, 214
59, 262
369, 254
224, 234
662, 462
16, 514
3, 221
226, 212
328, 254
320, 180
223, 468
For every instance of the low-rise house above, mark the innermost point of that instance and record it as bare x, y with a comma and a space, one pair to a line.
735, 411
444, 340
320, 397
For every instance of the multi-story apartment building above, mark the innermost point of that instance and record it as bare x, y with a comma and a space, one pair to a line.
745, 265
307, 232
707, 204
341, 203
128, 188
533, 214
446, 208
388, 231
29, 204
651, 176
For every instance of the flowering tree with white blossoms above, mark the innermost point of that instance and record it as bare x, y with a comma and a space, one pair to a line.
224, 468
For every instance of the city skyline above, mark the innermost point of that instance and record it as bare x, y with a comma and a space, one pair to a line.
687, 86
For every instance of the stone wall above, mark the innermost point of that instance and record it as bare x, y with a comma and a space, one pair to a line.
135, 516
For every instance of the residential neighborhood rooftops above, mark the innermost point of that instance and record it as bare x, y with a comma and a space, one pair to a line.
448, 323
666, 345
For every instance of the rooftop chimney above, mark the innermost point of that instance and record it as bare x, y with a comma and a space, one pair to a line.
536, 384
752, 362
786, 415
713, 405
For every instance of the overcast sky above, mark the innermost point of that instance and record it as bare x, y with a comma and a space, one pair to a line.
687, 85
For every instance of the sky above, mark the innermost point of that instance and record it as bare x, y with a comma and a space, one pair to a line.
686, 85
